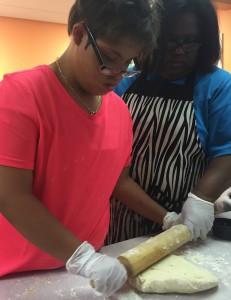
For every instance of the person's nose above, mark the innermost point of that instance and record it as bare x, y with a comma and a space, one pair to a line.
179, 50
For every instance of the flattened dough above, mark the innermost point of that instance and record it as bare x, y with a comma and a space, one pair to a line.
174, 274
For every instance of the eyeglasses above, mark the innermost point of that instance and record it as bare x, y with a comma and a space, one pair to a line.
186, 47
103, 68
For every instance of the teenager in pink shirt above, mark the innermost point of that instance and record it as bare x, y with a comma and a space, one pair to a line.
66, 140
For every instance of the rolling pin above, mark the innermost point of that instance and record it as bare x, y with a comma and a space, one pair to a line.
147, 253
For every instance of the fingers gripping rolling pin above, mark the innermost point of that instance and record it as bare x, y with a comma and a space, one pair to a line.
146, 254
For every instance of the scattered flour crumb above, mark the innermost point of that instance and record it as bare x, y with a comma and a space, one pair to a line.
73, 293
218, 265
129, 295
59, 293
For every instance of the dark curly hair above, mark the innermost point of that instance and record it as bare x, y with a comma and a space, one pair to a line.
209, 53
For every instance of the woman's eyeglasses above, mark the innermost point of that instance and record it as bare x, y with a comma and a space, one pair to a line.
104, 68
185, 46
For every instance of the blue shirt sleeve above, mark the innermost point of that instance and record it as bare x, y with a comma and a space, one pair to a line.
125, 83
212, 101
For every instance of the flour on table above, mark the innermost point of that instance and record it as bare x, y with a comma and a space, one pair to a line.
174, 274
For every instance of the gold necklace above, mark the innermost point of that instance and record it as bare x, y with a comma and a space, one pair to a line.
91, 112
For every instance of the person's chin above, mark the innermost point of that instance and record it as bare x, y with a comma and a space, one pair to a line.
108, 88
175, 71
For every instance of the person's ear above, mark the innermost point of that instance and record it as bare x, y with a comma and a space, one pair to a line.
78, 33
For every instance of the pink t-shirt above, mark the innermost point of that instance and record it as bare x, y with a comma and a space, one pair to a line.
76, 159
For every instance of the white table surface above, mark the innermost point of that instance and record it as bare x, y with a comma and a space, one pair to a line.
212, 254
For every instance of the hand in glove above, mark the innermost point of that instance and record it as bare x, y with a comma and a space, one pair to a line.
107, 273
223, 203
198, 215
171, 219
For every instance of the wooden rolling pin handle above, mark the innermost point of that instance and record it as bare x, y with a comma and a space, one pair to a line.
146, 254
92, 283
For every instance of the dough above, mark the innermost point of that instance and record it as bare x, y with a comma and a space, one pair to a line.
174, 274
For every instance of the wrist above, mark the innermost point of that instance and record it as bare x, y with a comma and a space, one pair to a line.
79, 258
192, 195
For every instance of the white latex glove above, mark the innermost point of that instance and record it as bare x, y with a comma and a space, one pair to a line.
223, 203
171, 219
107, 272
198, 215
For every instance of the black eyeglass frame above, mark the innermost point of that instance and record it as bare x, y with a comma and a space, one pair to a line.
183, 46
109, 71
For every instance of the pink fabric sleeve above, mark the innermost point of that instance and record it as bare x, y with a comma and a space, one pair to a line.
18, 126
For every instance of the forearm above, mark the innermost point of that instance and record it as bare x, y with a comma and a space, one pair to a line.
27, 214
216, 179
130, 193
40, 227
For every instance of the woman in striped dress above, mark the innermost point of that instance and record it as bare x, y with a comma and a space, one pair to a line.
180, 106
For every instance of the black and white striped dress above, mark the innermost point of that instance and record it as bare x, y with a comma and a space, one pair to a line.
167, 158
